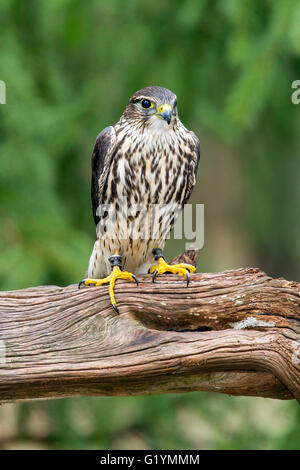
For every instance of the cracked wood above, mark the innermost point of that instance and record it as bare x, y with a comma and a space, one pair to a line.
236, 332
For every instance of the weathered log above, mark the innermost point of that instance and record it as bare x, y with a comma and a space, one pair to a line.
236, 332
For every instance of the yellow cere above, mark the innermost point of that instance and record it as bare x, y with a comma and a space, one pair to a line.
163, 108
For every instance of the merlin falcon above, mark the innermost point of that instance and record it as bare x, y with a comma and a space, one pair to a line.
143, 172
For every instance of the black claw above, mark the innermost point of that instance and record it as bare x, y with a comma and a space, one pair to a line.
81, 283
154, 275
187, 278
136, 279
115, 308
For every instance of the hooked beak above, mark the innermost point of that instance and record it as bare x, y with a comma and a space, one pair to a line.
165, 112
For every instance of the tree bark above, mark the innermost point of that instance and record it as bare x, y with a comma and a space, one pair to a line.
236, 332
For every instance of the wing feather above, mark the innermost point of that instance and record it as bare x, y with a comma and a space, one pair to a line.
101, 158
195, 147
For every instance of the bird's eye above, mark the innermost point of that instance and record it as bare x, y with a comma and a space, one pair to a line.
175, 104
146, 104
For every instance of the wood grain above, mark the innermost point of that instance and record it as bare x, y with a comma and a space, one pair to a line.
235, 332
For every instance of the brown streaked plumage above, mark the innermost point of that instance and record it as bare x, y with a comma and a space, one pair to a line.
148, 157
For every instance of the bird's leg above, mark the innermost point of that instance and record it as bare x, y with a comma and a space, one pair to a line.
116, 273
162, 267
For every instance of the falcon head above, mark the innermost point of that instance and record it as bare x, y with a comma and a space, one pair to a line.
152, 107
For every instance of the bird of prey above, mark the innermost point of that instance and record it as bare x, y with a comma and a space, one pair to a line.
148, 159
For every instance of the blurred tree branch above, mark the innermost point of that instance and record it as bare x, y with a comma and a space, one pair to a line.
236, 332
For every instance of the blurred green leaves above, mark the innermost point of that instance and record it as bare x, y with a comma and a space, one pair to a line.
70, 67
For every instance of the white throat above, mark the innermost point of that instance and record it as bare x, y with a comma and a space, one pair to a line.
158, 125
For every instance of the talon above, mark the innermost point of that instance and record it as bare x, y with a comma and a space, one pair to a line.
81, 283
188, 278
154, 275
116, 273
182, 269
116, 308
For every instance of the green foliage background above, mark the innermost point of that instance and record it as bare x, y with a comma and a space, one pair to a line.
70, 67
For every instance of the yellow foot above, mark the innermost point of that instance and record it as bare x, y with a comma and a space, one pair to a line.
182, 269
111, 280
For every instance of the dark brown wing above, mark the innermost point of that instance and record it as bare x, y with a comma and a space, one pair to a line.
101, 158
195, 152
